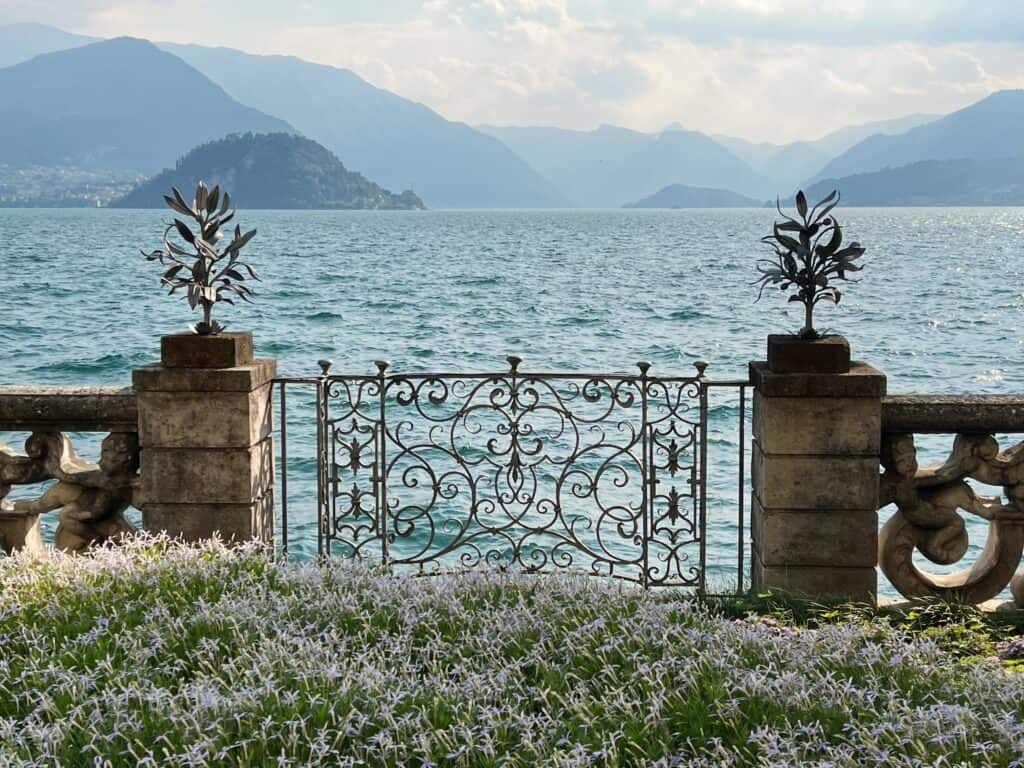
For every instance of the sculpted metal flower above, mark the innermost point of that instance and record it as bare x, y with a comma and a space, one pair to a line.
207, 274
808, 257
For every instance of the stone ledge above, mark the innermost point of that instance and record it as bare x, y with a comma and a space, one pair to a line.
862, 381
953, 414
244, 378
68, 409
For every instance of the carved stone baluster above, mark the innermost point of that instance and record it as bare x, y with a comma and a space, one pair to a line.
91, 497
928, 502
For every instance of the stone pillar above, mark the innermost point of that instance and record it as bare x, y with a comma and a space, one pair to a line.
206, 439
815, 474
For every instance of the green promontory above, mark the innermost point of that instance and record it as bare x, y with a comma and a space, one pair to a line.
274, 170
682, 196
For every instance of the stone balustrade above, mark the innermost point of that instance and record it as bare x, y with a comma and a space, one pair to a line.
91, 498
931, 500
830, 450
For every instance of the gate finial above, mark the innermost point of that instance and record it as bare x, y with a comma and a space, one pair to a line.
325, 366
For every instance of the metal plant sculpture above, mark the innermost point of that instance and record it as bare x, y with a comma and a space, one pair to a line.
809, 258
207, 274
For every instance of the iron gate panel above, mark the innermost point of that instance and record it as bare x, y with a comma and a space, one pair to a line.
603, 472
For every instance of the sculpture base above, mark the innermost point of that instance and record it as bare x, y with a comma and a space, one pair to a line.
791, 354
190, 350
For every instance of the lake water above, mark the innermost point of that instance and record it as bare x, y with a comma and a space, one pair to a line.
940, 307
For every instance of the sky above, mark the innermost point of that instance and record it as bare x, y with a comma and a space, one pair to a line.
779, 70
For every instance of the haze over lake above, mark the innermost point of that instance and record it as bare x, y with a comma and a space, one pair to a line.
940, 308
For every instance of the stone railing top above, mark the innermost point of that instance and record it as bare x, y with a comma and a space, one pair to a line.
945, 414
68, 409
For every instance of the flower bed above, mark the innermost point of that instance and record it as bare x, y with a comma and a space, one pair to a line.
161, 654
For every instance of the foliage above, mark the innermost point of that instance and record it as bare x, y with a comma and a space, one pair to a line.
164, 654
809, 258
207, 274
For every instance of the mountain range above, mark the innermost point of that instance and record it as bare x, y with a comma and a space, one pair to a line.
133, 107
961, 182
987, 130
118, 104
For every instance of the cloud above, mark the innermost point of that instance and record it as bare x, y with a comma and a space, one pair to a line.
762, 69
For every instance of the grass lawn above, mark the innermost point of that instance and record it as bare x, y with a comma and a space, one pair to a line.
159, 654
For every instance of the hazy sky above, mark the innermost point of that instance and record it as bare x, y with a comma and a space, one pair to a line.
781, 69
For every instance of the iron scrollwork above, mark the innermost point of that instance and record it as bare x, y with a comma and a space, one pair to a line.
453, 471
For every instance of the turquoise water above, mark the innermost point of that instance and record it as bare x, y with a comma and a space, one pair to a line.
940, 307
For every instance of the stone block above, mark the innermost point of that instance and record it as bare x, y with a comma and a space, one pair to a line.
245, 378
818, 425
205, 419
191, 350
817, 538
858, 585
232, 522
206, 475
814, 482
791, 354
860, 381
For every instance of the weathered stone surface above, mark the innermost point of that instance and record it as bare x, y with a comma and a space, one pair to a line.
191, 350
67, 409
205, 419
946, 414
859, 585
861, 381
814, 482
156, 378
232, 522
817, 425
19, 532
206, 475
829, 538
791, 354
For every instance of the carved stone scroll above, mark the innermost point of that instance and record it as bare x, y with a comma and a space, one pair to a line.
91, 498
929, 501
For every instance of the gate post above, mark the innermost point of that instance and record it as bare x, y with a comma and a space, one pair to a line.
206, 439
815, 471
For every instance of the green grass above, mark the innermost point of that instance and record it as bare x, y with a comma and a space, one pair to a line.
162, 654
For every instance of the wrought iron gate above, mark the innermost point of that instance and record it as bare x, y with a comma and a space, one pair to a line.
604, 473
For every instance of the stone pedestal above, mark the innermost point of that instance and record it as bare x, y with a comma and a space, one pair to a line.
815, 477
205, 433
